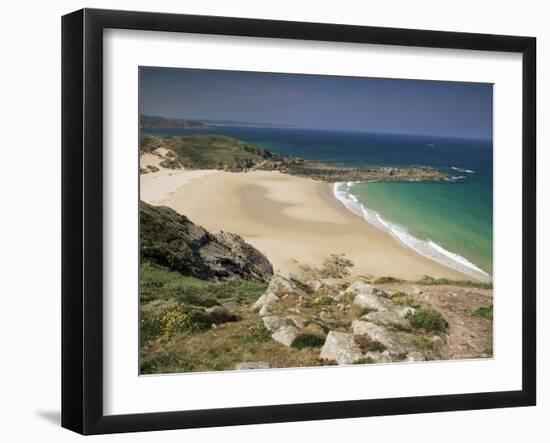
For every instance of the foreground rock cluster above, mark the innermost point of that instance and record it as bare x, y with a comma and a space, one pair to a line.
355, 323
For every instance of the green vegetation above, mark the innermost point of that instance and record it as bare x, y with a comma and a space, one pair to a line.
383, 280
308, 341
428, 320
423, 343
364, 361
257, 334
430, 281
160, 283
484, 312
208, 151
402, 299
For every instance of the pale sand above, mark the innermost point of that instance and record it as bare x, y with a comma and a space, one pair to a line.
292, 220
155, 187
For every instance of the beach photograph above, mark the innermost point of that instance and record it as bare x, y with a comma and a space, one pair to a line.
297, 220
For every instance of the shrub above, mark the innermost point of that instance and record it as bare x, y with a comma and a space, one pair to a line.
382, 280
428, 319
484, 312
257, 334
182, 319
364, 361
336, 266
308, 341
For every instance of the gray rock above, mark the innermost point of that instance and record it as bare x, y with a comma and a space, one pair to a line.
316, 285
298, 321
369, 300
360, 287
280, 285
285, 335
386, 317
394, 343
272, 322
248, 365
415, 356
340, 347
268, 299
379, 357
264, 311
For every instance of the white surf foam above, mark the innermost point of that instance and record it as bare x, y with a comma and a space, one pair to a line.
428, 248
469, 171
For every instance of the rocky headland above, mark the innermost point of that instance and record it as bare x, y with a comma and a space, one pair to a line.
230, 154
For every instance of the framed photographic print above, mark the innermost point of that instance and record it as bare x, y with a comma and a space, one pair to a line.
269, 221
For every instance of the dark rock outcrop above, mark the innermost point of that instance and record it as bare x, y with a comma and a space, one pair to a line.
172, 240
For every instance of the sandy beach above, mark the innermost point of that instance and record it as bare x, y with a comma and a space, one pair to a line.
292, 220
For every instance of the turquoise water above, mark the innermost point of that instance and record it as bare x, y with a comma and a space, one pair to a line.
451, 222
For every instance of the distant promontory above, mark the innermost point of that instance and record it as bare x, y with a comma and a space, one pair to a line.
156, 122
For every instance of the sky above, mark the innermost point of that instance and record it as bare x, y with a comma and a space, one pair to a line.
451, 109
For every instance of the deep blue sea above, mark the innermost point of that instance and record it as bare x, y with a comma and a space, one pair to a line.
451, 222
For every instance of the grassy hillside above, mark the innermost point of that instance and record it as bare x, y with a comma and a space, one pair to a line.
208, 151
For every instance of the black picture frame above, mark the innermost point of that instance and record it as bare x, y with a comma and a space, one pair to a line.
82, 219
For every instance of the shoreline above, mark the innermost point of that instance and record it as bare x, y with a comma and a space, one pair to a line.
292, 220
426, 248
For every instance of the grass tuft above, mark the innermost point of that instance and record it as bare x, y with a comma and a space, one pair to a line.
431, 281
428, 320
308, 341
383, 280
484, 312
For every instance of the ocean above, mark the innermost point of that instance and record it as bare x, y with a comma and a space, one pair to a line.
450, 222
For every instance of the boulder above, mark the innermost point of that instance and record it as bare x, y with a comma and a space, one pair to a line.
268, 299
264, 310
371, 301
280, 285
359, 287
316, 285
395, 344
386, 317
340, 347
415, 356
272, 322
285, 335
379, 357
298, 321
248, 365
